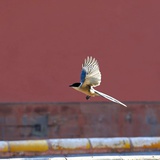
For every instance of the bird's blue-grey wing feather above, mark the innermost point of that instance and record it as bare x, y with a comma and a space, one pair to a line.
90, 74
83, 76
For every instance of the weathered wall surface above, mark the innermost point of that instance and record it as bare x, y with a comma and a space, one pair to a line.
74, 120
43, 44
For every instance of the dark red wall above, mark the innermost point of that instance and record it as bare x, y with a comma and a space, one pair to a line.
75, 120
43, 44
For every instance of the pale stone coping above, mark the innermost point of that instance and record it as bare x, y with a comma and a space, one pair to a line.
66, 144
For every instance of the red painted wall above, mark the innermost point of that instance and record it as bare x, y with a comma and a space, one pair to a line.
43, 44
75, 120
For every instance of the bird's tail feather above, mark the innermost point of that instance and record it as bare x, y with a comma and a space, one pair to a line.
109, 97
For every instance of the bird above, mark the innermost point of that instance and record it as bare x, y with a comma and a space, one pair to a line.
91, 77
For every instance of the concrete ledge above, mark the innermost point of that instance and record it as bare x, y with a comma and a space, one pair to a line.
97, 157
78, 146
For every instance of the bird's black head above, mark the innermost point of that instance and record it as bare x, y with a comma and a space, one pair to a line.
75, 85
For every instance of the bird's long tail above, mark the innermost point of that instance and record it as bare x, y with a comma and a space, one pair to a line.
109, 97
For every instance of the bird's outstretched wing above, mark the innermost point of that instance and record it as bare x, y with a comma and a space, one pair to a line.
90, 74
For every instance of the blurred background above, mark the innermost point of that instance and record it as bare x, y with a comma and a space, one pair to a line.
42, 47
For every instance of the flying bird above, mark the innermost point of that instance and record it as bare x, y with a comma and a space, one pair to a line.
91, 77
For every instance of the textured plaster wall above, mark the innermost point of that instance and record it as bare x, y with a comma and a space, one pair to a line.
78, 120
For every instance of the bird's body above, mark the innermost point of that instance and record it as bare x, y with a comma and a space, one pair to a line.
86, 90
91, 77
